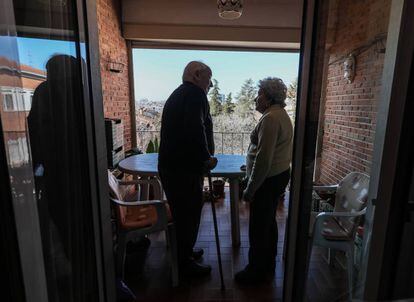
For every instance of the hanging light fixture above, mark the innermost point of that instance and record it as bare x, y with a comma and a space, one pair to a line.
230, 9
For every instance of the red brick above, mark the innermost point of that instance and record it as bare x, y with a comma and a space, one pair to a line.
112, 47
351, 109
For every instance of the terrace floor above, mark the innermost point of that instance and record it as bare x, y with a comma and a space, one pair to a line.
148, 271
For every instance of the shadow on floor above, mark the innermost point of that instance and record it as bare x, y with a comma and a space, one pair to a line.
148, 271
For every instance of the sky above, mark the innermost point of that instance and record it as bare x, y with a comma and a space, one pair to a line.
157, 72
36, 52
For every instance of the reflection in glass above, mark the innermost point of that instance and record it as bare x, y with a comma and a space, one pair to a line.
351, 39
43, 119
56, 136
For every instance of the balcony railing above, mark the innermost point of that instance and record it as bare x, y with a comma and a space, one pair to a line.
225, 142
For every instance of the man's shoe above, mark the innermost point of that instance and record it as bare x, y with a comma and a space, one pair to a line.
197, 254
194, 269
250, 277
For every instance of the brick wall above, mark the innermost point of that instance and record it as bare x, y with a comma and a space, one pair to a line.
350, 109
112, 47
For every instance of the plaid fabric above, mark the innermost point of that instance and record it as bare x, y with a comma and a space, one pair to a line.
320, 204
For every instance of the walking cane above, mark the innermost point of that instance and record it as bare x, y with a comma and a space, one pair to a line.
213, 208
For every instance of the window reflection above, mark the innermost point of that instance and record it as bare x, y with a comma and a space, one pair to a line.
42, 114
15, 108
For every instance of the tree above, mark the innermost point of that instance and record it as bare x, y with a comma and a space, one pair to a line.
245, 98
153, 146
215, 99
228, 106
291, 97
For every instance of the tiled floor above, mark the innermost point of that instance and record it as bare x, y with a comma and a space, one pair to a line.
148, 274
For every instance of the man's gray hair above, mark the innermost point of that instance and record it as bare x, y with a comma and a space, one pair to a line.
274, 89
192, 68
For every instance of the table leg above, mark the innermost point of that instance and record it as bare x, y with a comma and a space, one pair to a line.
234, 210
163, 196
145, 191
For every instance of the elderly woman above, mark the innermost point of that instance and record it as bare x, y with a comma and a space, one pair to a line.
268, 171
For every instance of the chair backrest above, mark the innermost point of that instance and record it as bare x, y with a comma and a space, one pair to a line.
130, 217
115, 190
351, 196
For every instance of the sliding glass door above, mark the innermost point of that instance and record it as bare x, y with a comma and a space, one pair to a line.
49, 156
352, 108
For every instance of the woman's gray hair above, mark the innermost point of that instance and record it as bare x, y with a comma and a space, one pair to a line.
191, 69
274, 89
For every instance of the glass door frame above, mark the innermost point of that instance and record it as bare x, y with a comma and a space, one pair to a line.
27, 275
393, 98
394, 162
96, 144
10, 256
25, 286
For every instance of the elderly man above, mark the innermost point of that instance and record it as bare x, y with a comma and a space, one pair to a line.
186, 152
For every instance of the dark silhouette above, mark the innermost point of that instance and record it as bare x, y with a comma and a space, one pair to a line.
186, 150
58, 146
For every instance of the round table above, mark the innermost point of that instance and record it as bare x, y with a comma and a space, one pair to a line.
228, 166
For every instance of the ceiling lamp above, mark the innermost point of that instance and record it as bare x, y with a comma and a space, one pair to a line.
230, 9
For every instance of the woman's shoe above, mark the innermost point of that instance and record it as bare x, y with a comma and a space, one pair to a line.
197, 254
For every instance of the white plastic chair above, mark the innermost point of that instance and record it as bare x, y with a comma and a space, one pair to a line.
336, 230
136, 218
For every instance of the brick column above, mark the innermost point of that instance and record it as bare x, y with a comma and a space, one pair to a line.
113, 47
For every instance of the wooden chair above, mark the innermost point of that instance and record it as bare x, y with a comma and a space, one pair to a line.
136, 218
336, 230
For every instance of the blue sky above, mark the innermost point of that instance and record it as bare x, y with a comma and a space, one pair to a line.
158, 72
36, 52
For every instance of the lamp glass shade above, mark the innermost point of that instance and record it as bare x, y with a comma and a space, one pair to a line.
230, 9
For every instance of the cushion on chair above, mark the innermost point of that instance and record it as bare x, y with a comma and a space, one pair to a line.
139, 216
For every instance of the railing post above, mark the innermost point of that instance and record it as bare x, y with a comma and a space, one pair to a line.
242, 146
222, 142
144, 136
232, 142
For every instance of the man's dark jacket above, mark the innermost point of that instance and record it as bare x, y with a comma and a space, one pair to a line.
186, 131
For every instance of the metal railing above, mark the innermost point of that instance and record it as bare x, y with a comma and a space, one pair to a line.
225, 142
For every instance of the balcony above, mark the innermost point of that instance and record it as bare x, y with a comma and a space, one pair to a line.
345, 113
148, 269
225, 142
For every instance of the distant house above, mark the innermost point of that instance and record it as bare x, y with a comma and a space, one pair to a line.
16, 96
150, 113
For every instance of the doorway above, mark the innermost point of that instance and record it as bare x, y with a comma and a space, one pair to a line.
347, 65
48, 156
57, 250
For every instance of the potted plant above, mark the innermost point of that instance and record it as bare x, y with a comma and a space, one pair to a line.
218, 187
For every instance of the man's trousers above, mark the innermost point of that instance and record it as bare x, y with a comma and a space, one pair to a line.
184, 193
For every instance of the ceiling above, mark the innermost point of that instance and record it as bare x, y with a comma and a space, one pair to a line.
272, 24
